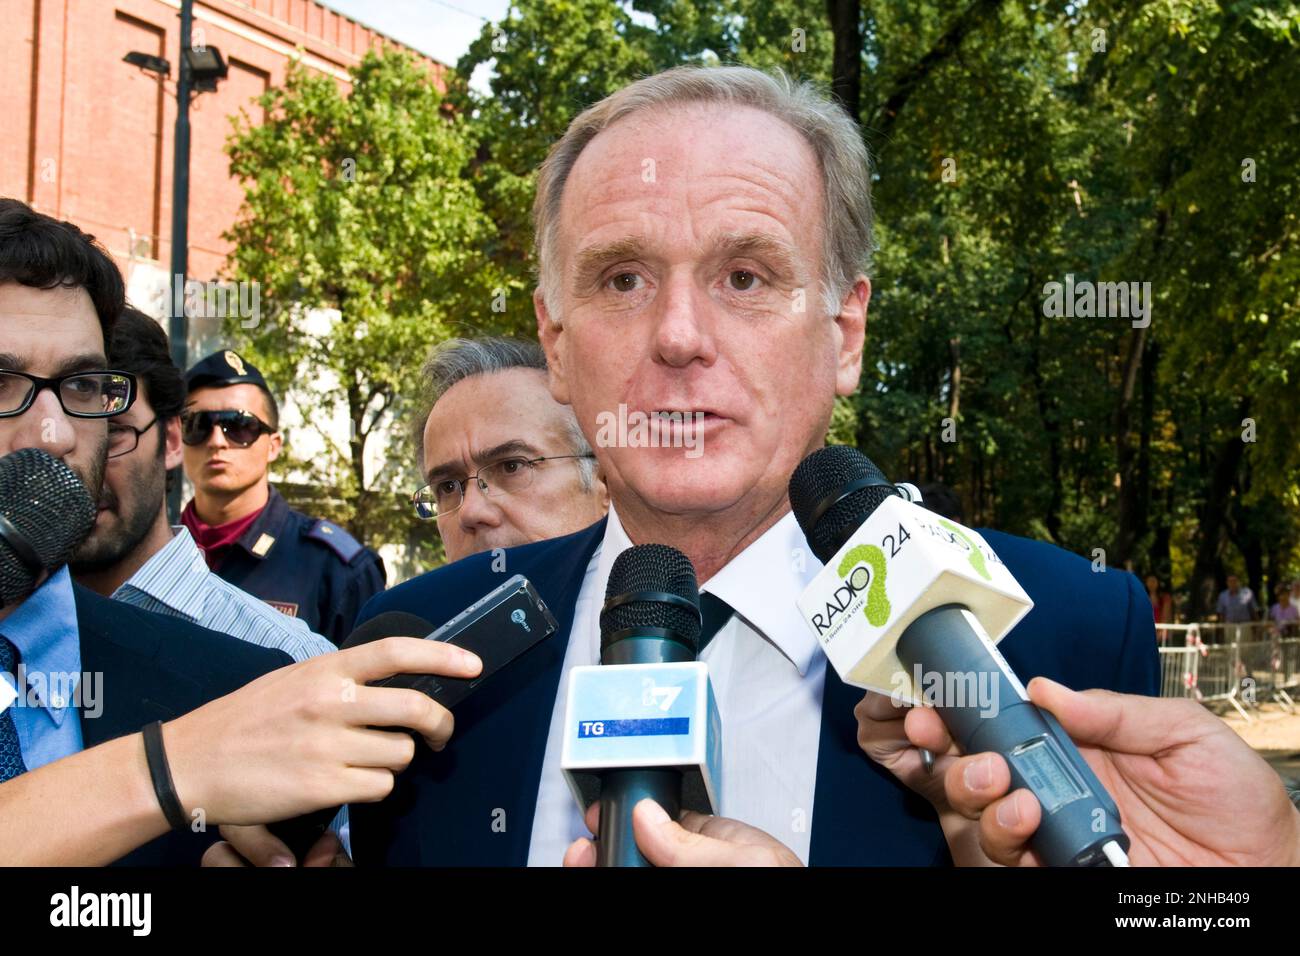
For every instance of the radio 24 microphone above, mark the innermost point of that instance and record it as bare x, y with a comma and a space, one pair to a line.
911, 604
644, 723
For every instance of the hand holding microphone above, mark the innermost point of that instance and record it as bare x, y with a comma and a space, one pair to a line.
695, 839
916, 602
1191, 792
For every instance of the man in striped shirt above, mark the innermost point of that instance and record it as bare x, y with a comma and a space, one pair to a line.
133, 554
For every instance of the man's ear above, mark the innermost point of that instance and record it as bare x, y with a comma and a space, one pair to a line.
173, 450
273, 451
549, 334
852, 324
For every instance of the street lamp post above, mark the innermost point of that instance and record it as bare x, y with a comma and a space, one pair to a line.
198, 70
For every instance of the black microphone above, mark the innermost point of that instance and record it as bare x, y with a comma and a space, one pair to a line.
45, 512
299, 834
651, 616
901, 579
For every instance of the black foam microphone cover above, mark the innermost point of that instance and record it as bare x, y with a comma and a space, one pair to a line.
824, 502
45, 512
637, 576
387, 624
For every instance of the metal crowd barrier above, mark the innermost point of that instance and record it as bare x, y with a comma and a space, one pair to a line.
1243, 665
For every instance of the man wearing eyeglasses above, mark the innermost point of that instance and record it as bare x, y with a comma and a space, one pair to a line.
60, 295
304, 567
506, 464
133, 554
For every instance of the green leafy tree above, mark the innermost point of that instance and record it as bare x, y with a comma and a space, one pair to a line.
358, 201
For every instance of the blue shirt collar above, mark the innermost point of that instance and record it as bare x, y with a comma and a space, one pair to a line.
44, 629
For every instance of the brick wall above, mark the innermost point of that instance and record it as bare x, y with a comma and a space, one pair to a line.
88, 138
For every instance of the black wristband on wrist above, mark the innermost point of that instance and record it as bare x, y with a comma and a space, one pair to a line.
163, 785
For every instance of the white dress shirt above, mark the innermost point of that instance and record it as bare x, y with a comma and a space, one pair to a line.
767, 673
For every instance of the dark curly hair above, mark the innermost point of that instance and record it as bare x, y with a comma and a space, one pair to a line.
42, 252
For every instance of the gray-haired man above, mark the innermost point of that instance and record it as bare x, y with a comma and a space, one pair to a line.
505, 463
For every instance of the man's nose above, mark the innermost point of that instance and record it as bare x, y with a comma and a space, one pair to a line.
217, 438
684, 332
478, 510
46, 426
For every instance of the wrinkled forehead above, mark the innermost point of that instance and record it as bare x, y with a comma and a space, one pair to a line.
662, 164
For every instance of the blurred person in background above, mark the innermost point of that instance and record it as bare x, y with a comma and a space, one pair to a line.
307, 568
505, 463
133, 554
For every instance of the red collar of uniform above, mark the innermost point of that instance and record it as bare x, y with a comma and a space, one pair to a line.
215, 541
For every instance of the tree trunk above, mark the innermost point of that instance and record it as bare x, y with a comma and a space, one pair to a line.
357, 457
1125, 456
944, 48
1212, 511
846, 62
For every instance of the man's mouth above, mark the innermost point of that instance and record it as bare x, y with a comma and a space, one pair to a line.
682, 414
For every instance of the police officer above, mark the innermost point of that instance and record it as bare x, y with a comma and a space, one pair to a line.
305, 567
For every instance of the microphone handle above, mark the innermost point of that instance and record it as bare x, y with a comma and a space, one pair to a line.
621, 790
1079, 817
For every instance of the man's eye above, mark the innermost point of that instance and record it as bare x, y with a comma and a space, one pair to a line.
625, 282
512, 466
742, 280
445, 489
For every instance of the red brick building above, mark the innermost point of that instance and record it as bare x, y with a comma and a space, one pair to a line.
88, 137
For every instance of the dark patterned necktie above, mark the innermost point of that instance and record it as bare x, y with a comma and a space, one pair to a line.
11, 754
717, 613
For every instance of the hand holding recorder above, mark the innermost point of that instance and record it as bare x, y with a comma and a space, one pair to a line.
1191, 792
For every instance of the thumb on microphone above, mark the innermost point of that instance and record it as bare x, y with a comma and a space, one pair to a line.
697, 840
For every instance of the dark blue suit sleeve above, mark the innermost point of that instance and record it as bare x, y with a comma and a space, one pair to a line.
1138, 669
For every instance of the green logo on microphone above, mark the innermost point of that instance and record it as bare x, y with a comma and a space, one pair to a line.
877, 609
976, 558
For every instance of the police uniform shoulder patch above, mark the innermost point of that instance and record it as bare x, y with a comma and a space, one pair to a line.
336, 539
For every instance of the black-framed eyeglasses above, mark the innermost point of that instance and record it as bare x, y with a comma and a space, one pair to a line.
123, 439
240, 427
505, 477
98, 394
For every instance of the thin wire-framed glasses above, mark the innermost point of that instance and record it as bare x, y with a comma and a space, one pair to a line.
505, 477
123, 439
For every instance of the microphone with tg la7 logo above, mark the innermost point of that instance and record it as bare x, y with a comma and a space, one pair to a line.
643, 723
910, 604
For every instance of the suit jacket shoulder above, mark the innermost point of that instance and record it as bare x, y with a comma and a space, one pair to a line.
1091, 626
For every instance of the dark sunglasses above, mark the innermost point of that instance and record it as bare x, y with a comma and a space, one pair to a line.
241, 428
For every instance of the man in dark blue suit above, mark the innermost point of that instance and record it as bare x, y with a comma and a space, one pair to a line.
704, 238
